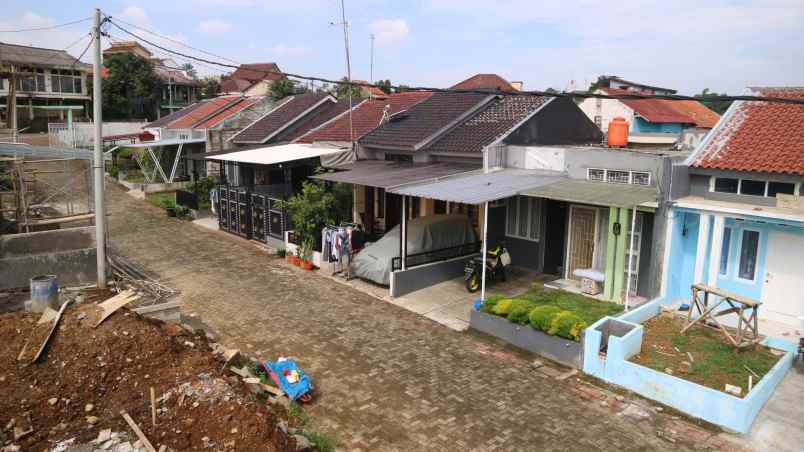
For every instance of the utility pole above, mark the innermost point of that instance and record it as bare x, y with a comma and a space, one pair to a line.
371, 77
348, 70
100, 209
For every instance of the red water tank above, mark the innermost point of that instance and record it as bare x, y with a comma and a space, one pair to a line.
618, 133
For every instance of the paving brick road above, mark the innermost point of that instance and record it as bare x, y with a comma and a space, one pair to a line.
387, 378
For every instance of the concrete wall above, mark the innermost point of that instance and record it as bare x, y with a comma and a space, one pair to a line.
413, 279
607, 109
68, 253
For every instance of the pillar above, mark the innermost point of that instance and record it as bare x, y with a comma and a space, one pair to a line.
701, 251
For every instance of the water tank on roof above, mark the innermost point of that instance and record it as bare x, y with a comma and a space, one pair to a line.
618, 133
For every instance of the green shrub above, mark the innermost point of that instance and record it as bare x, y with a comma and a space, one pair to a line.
503, 306
541, 317
490, 302
567, 324
519, 310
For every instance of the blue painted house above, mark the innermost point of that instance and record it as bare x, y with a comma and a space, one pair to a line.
737, 220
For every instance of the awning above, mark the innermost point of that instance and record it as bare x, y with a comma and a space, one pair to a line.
479, 187
269, 155
596, 193
153, 144
382, 174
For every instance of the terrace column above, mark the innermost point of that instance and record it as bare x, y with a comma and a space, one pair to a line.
716, 249
484, 251
404, 233
703, 243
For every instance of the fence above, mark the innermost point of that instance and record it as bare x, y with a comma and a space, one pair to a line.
427, 257
82, 134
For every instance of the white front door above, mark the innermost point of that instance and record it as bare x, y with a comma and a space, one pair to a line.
783, 289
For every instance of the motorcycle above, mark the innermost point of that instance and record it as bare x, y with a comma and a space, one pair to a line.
496, 260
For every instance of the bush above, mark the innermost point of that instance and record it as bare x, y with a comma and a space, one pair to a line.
519, 311
490, 302
503, 307
541, 317
567, 324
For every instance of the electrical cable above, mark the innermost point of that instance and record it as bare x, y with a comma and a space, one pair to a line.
82, 53
52, 27
77, 41
582, 95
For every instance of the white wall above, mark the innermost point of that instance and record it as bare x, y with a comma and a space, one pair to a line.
535, 157
608, 109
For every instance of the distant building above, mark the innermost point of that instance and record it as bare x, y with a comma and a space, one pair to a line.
252, 79
178, 88
491, 82
48, 82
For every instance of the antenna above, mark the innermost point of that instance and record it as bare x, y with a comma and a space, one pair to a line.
371, 77
348, 68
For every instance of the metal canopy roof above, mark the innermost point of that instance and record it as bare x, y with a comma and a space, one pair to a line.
596, 193
479, 187
26, 150
269, 155
175, 142
382, 174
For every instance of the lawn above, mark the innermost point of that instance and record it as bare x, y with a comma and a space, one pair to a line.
714, 362
589, 309
164, 200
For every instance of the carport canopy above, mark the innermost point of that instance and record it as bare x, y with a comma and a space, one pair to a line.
478, 187
269, 155
596, 193
386, 175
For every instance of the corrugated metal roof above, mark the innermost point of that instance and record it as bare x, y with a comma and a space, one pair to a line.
479, 187
382, 174
596, 193
38, 56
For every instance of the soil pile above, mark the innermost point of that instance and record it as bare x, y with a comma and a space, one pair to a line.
87, 376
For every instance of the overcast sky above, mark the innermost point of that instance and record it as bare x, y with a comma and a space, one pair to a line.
683, 44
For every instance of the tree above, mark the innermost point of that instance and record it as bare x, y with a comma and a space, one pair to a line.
311, 210
189, 70
131, 89
384, 85
718, 106
211, 87
342, 90
284, 87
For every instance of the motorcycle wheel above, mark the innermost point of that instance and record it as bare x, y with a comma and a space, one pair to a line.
473, 283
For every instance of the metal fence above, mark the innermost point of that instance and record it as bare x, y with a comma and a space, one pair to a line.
82, 134
428, 257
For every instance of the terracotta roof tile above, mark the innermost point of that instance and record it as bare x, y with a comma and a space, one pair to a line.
653, 110
207, 108
228, 111
423, 120
490, 82
321, 115
289, 109
703, 116
165, 120
366, 116
488, 125
758, 136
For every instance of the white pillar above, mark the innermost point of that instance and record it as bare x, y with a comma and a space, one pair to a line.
716, 249
701, 251
100, 210
485, 249
404, 231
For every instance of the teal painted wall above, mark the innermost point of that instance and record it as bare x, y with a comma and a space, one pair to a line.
639, 125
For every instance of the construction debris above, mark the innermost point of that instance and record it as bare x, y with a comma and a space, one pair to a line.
45, 328
111, 305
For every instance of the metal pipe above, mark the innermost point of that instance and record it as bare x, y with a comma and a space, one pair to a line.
630, 259
485, 249
100, 210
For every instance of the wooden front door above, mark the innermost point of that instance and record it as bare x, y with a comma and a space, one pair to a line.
581, 248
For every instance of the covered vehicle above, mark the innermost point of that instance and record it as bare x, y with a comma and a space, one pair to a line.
430, 233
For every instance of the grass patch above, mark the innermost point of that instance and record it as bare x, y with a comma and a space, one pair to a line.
301, 420
589, 309
715, 361
163, 200
134, 176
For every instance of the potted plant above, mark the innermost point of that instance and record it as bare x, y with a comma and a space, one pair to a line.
310, 211
295, 258
306, 251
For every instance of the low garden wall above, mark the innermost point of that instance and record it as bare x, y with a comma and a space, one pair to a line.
404, 282
625, 341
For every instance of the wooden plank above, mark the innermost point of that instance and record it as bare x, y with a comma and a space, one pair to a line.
111, 305
153, 406
59, 220
137, 431
52, 329
726, 294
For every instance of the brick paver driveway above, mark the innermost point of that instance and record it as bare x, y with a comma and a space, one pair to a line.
387, 378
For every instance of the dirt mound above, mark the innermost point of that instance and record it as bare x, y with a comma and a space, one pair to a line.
87, 376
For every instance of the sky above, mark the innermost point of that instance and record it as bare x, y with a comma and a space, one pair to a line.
688, 45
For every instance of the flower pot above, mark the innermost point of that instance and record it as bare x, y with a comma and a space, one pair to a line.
289, 258
307, 265
296, 261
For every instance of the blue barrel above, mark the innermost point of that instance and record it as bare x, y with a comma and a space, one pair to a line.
44, 292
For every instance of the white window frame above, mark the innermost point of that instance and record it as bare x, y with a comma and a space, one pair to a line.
796, 186
630, 176
532, 201
740, 252
727, 251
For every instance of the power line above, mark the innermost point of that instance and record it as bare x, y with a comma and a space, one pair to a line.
115, 39
77, 41
582, 95
52, 27
82, 54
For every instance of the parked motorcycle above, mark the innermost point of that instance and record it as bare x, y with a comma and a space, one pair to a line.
496, 260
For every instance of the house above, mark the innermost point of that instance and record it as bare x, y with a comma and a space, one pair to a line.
652, 121
737, 221
491, 82
178, 88
252, 79
369, 91
48, 85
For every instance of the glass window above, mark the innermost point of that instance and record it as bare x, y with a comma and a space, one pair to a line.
640, 178
617, 177
513, 208
523, 216
724, 252
752, 187
748, 254
380, 194
726, 185
596, 174
781, 187
535, 218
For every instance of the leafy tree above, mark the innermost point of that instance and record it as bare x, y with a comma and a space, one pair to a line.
718, 106
189, 70
402, 89
284, 87
131, 89
601, 81
385, 86
342, 90
211, 87
311, 210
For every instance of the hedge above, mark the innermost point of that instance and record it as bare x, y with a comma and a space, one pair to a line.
519, 310
541, 317
567, 324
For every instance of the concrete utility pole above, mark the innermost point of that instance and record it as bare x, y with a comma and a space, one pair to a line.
97, 107
348, 70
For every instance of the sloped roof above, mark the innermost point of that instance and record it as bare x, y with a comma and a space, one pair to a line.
320, 116
38, 56
281, 116
248, 74
488, 125
757, 136
165, 120
207, 108
490, 82
409, 129
228, 111
175, 75
652, 110
366, 116
369, 90
703, 116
